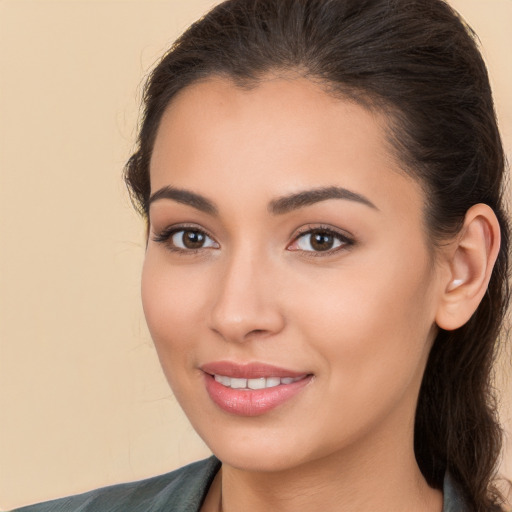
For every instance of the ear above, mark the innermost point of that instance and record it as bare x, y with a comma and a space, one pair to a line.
470, 259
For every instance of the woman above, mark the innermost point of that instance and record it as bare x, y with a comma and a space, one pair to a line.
326, 267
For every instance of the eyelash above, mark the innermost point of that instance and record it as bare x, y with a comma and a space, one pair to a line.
345, 240
164, 236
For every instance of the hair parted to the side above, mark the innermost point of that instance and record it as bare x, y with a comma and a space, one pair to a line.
418, 63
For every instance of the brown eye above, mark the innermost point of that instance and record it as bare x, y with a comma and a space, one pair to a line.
193, 239
320, 240
190, 239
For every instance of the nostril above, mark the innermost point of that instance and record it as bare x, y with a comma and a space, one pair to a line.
257, 334
237, 320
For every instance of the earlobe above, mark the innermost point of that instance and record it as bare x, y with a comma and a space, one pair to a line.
471, 259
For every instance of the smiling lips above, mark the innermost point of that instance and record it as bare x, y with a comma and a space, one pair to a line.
251, 389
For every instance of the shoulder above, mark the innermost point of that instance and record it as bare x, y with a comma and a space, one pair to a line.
453, 496
182, 490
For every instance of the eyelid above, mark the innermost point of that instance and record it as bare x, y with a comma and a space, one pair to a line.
163, 236
346, 239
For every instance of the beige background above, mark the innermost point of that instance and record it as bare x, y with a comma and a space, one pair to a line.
82, 400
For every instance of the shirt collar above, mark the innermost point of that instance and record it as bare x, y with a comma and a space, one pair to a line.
453, 500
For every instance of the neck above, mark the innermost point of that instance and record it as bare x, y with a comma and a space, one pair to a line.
383, 475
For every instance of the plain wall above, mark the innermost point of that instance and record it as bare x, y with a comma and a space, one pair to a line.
83, 402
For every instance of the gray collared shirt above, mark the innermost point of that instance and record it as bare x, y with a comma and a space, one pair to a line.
182, 490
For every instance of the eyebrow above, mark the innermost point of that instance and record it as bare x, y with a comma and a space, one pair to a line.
279, 206
179, 195
292, 202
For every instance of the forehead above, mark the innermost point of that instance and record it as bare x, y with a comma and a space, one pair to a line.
280, 108
281, 136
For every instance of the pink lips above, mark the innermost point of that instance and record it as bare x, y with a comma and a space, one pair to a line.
251, 402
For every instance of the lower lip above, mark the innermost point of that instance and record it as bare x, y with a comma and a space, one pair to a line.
252, 402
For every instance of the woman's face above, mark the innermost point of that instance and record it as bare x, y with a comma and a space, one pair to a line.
287, 255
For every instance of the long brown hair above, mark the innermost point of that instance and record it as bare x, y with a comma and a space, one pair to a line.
416, 61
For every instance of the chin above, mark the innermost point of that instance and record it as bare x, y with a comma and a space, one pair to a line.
258, 460
244, 446
250, 448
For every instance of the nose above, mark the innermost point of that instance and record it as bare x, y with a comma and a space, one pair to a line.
245, 304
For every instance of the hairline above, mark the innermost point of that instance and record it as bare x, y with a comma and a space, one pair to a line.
384, 112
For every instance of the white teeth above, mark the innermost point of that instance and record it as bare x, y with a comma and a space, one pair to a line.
256, 383
273, 382
261, 383
238, 383
225, 381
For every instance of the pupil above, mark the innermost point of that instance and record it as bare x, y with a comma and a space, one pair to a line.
193, 239
322, 241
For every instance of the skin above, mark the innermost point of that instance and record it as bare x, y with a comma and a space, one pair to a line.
361, 319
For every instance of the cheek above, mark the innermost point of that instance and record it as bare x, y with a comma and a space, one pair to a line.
170, 298
371, 325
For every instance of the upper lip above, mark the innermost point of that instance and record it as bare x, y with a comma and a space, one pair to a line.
253, 370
